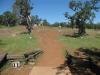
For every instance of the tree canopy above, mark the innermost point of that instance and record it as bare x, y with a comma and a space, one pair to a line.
22, 8
8, 18
84, 11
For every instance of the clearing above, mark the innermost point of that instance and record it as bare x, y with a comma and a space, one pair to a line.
53, 55
51, 40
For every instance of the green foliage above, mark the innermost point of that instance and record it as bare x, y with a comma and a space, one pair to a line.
84, 12
63, 24
8, 18
45, 23
55, 24
22, 7
1, 19
36, 19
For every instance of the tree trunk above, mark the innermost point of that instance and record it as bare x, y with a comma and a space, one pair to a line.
8, 24
81, 30
29, 25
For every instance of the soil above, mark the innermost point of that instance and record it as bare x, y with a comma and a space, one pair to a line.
53, 55
24, 70
53, 49
53, 52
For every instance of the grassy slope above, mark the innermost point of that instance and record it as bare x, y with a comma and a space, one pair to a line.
17, 44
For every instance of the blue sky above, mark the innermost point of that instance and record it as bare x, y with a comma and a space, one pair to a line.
52, 10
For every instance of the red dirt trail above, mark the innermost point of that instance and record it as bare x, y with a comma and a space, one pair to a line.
53, 55
51, 58
53, 49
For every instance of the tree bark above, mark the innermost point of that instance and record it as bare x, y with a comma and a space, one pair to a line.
81, 30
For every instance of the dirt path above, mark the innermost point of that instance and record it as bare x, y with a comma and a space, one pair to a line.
53, 49
53, 55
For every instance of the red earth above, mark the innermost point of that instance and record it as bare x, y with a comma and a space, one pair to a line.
53, 50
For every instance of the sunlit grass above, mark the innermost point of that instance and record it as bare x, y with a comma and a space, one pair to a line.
86, 41
17, 43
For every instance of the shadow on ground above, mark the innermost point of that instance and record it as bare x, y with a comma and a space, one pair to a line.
24, 33
83, 62
2, 43
75, 35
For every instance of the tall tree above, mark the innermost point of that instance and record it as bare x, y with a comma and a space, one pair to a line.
23, 8
84, 11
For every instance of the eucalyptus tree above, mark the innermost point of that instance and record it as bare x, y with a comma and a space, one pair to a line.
22, 9
84, 11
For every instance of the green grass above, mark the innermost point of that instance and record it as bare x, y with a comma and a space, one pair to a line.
87, 42
2, 26
18, 44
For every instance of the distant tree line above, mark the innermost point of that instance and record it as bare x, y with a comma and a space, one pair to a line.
68, 25
56, 24
10, 19
84, 13
20, 15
